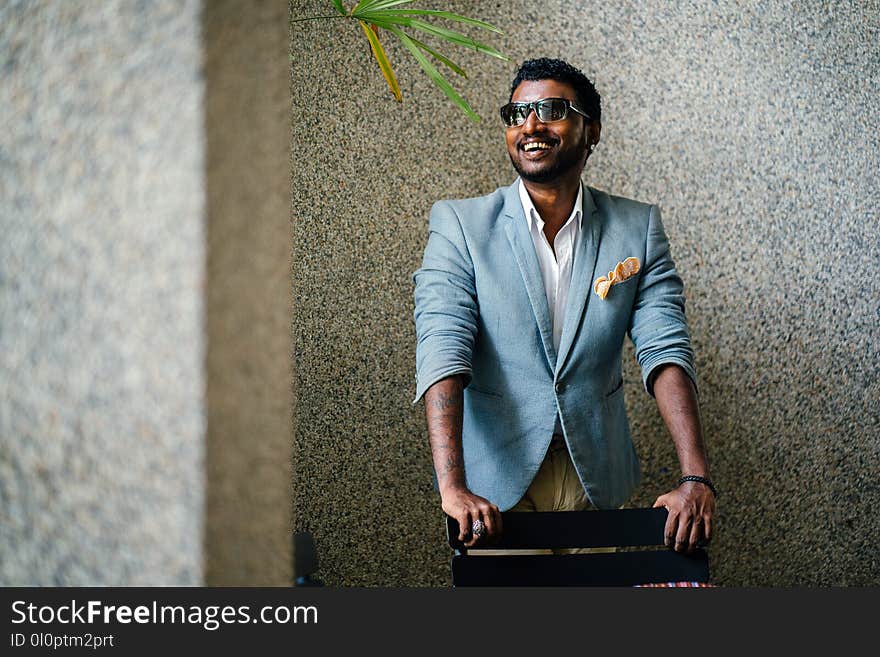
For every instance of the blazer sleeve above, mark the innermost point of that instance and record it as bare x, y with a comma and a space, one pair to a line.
446, 309
657, 326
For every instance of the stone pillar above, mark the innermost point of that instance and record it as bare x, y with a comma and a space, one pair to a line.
145, 387
102, 275
249, 393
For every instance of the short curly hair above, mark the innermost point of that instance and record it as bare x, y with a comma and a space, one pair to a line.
556, 69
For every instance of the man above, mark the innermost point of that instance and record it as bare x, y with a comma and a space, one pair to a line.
521, 307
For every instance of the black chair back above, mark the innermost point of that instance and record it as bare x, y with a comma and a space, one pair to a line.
624, 528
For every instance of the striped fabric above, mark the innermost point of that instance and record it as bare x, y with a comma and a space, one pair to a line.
676, 585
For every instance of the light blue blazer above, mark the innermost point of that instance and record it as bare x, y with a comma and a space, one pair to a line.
481, 311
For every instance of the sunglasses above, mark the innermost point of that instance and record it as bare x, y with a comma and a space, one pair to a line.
546, 109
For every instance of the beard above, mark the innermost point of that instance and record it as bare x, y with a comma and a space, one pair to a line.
564, 162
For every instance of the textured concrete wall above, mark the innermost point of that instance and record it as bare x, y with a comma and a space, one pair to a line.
248, 460
101, 276
753, 125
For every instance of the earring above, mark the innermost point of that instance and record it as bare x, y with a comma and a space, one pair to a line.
592, 147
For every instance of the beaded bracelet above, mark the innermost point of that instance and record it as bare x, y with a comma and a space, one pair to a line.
701, 480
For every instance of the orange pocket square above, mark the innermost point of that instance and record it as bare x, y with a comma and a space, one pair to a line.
621, 272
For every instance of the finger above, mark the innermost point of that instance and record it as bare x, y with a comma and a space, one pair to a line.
464, 525
681, 536
488, 522
696, 532
707, 528
493, 524
475, 538
472, 538
669, 529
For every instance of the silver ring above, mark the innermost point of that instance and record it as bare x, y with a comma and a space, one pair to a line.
478, 527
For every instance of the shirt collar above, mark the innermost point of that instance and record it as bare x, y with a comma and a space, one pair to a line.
532, 216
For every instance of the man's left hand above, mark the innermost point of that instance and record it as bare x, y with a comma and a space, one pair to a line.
691, 508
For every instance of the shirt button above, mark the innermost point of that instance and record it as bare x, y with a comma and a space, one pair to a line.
559, 387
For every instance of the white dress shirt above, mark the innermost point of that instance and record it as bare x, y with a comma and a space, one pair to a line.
555, 268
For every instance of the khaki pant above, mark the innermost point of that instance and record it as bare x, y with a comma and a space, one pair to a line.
556, 487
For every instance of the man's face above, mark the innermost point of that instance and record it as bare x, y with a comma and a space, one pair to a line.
564, 144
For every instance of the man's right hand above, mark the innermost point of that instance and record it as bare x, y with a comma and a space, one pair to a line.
466, 507
444, 406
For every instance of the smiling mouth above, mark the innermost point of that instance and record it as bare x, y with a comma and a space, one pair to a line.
537, 146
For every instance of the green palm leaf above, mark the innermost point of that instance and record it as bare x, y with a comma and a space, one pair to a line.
457, 38
431, 12
369, 5
435, 76
387, 20
392, 15
382, 59
436, 55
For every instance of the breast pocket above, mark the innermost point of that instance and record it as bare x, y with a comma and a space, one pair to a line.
616, 307
624, 291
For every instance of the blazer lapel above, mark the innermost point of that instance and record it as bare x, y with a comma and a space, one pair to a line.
524, 252
582, 275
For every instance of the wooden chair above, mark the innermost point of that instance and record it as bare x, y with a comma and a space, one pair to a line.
578, 529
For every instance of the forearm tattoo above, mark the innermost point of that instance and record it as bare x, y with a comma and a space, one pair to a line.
443, 401
447, 457
444, 406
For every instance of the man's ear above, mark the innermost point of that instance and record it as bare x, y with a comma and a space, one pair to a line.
593, 132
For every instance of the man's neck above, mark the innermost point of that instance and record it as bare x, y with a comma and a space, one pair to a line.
554, 201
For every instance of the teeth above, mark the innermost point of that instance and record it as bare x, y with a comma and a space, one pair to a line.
535, 145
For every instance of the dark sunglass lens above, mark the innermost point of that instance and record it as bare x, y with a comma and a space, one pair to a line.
552, 109
522, 113
509, 114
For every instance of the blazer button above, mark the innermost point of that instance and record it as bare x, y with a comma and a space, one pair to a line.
559, 387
